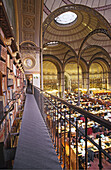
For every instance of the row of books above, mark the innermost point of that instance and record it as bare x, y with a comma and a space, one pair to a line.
3, 53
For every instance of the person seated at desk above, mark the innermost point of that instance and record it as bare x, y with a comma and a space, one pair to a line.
82, 118
97, 136
100, 129
69, 133
106, 133
95, 128
81, 129
102, 135
74, 119
81, 140
85, 108
73, 140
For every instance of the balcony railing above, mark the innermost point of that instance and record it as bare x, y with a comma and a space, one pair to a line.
58, 115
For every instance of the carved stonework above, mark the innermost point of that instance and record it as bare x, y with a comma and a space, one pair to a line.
30, 48
28, 22
28, 6
28, 59
28, 36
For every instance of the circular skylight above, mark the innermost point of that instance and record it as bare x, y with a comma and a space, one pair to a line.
66, 18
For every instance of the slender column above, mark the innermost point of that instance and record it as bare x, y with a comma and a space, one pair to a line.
59, 83
83, 80
40, 42
103, 81
62, 84
78, 87
87, 79
109, 81
41, 58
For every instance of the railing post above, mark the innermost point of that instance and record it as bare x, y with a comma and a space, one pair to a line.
60, 137
69, 137
1, 155
55, 125
85, 143
100, 159
76, 144
64, 139
57, 135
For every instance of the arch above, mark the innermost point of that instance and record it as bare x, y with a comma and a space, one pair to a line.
72, 50
50, 74
71, 7
54, 60
97, 75
71, 80
103, 51
101, 60
31, 43
82, 63
104, 31
52, 64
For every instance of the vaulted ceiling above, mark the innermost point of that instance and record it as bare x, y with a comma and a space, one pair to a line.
88, 38
102, 6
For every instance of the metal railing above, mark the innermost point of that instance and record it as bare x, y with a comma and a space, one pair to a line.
57, 114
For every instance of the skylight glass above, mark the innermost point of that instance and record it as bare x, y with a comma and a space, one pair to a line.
66, 18
52, 43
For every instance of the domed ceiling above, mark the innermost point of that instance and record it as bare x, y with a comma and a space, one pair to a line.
102, 6
87, 37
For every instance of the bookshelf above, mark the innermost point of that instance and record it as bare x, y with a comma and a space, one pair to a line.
11, 80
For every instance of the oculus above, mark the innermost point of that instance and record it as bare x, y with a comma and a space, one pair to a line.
66, 18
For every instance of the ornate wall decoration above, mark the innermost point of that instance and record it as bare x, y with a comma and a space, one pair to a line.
29, 62
28, 6
28, 19
28, 36
28, 22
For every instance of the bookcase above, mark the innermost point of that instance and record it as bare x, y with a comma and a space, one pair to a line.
12, 77
12, 80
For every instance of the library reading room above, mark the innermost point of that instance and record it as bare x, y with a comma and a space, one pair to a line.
55, 84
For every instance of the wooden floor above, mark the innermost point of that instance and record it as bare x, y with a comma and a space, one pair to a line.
35, 149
